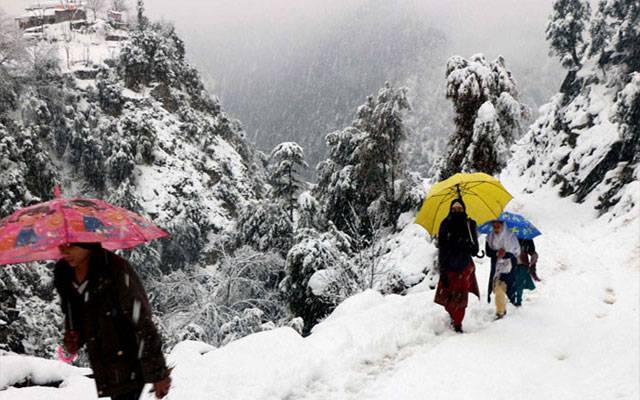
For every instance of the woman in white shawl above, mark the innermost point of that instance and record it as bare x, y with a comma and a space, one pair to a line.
503, 247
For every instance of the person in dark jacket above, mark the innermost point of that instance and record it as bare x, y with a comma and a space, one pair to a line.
457, 244
529, 257
106, 309
523, 276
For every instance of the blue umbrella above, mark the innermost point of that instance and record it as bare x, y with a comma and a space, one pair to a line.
516, 223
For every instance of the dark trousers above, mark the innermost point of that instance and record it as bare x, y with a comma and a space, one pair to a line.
133, 395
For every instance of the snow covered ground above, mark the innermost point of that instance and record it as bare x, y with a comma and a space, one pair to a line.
577, 335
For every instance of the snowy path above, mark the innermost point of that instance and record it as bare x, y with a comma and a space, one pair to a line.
576, 336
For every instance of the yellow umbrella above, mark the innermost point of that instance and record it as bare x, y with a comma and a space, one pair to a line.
484, 196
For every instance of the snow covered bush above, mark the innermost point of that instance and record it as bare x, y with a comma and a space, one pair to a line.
30, 319
319, 275
236, 298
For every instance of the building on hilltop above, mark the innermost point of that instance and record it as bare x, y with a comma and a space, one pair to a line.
51, 12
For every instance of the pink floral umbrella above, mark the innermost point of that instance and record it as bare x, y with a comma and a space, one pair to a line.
34, 233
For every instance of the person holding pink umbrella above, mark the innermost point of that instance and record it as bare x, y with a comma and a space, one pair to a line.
103, 300
106, 309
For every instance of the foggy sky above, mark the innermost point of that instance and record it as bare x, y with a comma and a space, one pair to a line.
232, 41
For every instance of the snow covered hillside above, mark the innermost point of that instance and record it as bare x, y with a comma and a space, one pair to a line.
575, 337
128, 121
588, 136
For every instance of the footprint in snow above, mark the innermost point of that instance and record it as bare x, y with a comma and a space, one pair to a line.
609, 296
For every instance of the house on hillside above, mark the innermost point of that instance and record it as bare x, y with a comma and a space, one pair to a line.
51, 12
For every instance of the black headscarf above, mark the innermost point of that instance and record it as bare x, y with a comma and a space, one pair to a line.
456, 247
457, 221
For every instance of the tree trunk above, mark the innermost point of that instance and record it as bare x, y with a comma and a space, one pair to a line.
290, 196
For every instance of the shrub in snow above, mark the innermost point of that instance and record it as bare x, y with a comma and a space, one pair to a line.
239, 297
250, 321
312, 296
30, 318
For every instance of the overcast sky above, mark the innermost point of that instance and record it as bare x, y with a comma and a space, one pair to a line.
490, 26
234, 41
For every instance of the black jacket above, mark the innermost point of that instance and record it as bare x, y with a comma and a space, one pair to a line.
113, 318
456, 244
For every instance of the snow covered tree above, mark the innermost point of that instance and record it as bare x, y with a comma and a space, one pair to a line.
29, 311
487, 150
615, 33
142, 19
365, 166
627, 152
155, 54
28, 173
140, 134
121, 163
286, 160
565, 30
265, 226
119, 5
249, 280
309, 216
328, 255
599, 31
12, 53
95, 6
109, 93
470, 84
93, 162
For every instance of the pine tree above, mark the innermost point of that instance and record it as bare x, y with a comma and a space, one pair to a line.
142, 19
600, 32
471, 84
623, 19
365, 162
487, 151
565, 30
286, 160
265, 226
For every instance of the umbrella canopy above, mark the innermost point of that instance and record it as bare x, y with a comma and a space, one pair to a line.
34, 233
518, 224
484, 196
